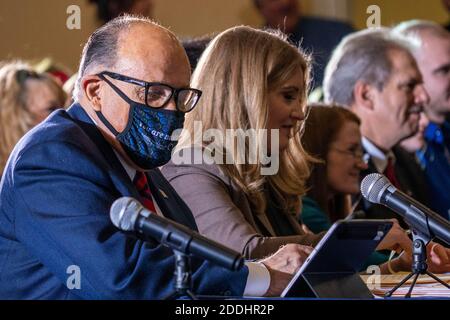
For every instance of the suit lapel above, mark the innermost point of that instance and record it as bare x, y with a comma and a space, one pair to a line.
170, 204
262, 218
402, 172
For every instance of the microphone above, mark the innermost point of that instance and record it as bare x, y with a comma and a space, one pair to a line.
376, 188
128, 214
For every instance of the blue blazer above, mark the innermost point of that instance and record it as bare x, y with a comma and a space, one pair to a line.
56, 238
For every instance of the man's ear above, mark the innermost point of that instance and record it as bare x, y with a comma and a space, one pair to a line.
363, 95
91, 86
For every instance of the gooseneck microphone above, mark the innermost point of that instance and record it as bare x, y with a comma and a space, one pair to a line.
128, 214
376, 188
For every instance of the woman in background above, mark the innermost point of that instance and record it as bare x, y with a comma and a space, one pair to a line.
332, 133
26, 99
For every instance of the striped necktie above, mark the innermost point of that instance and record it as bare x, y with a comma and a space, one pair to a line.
389, 172
141, 183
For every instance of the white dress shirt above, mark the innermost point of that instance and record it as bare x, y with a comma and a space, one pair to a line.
379, 158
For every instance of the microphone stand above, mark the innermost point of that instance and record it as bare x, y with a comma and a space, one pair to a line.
183, 277
419, 263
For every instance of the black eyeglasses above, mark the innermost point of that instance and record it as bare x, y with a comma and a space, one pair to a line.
157, 94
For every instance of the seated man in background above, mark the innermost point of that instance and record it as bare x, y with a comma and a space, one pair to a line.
375, 75
63, 176
332, 135
431, 48
316, 35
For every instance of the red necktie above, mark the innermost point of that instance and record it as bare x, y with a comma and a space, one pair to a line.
141, 183
389, 172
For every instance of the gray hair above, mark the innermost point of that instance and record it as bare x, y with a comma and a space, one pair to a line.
101, 47
412, 30
361, 56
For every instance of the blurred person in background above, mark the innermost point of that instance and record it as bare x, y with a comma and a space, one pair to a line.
374, 73
417, 141
194, 48
430, 44
69, 87
26, 98
332, 134
110, 9
59, 72
316, 35
446, 4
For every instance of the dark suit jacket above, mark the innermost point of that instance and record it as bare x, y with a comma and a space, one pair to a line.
55, 196
412, 182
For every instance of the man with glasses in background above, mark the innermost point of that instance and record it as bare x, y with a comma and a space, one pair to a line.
56, 237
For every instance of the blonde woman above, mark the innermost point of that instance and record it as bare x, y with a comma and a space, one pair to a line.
26, 98
251, 80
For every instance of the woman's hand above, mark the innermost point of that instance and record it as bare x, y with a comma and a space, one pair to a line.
438, 258
396, 239
306, 229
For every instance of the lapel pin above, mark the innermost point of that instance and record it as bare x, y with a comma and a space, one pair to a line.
163, 194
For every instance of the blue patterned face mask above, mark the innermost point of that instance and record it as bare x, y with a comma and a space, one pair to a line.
147, 136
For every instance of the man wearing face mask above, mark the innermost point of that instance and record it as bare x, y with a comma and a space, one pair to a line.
56, 238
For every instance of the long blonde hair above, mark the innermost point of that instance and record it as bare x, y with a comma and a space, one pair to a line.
235, 73
15, 117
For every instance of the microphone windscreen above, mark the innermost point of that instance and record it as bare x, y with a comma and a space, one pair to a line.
372, 186
123, 213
